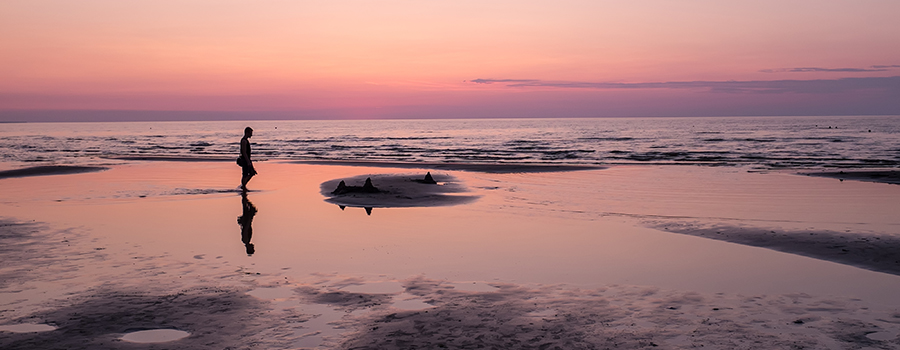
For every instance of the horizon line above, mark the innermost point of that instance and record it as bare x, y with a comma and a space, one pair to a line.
192, 116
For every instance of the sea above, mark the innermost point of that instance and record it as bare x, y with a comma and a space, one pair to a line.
754, 142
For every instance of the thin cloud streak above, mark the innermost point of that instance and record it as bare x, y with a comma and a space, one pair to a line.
819, 86
876, 68
491, 81
817, 69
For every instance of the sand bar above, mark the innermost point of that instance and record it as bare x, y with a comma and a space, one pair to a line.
175, 158
869, 251
400, 191
49, 170
883, 176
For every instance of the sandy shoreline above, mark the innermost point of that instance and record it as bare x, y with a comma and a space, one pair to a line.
49, 170
869, 251
539, 260
882, 176
475, 167
175, 158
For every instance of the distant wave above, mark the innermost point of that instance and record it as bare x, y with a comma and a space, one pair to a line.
764, 143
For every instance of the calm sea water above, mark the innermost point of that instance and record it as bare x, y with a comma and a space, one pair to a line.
758, 142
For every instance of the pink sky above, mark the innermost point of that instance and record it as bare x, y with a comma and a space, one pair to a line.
409, 59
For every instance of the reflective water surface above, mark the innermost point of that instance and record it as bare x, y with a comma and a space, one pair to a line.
580, 228
171, 227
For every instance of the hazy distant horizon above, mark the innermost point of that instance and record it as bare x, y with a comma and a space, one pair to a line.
92, 116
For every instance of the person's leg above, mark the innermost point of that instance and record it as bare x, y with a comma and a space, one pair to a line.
245, 179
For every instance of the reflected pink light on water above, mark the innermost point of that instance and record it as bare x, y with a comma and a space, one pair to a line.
580, 228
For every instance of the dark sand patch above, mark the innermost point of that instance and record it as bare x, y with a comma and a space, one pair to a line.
882, 176
501, 168
344, 300
217, 318
619, 317
29, 249
868, 251
49, 170
399, 191
159, 193
182, 192
17, 240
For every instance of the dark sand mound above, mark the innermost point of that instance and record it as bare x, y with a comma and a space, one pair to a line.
883, 176
396, 191
49, 170
868, 251
501, 168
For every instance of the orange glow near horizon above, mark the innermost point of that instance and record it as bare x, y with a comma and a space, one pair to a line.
357, 54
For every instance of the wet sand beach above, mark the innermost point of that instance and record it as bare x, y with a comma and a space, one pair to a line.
49, 170
883, 176
509, 257
876, 252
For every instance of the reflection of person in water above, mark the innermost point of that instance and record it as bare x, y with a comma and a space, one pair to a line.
246, 223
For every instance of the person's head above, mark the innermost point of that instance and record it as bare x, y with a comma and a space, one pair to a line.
248, 131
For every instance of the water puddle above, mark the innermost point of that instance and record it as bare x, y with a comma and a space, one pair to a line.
323, 323
155, 336
277, 293
542, 313
386, 287
409, 302
473, 286
882, 336
27, 328
315, 331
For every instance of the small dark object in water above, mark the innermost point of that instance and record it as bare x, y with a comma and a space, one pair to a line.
428, 179
342, 188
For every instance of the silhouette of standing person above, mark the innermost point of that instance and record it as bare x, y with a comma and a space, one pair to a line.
247, 169
246, 222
